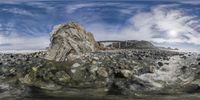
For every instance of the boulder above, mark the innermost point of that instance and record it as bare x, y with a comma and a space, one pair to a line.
126, 73
102, 72
160, 63
69, 40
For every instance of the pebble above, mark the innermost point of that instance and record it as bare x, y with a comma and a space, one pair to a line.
75, 65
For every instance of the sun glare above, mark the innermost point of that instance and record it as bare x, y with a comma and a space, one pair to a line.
172, 34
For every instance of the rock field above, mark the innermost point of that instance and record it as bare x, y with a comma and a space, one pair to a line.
70, 66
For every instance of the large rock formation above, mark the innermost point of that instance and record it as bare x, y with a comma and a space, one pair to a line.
68, 40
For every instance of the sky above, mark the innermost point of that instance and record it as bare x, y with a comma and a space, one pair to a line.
26, 24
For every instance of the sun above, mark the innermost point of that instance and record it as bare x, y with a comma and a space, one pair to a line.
172, 34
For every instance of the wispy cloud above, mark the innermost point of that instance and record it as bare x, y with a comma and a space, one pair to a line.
17, 11
23, 43
192, 2
20, 1
10, 39
172, 26
160, 25
166, 23
73, 8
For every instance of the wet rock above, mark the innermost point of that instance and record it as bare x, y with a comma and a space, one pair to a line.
191, 88
140, 58
126, 73
62, 76
160, 64
93, 68
12, 72
102, 72
184, 57
75, 65
4, 87
198, 59
166, 63
26, 80
151, 69
79, 74
96, 58
184, 68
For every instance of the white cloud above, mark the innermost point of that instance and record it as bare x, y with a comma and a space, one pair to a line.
23, 43
11, 40
193, 2
126, 11
159, 25
41, 5
18, 1
17, 11
7, 29
74, 7
129, 9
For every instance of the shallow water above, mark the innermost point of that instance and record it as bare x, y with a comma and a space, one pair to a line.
76, 97
85, 95
6, 95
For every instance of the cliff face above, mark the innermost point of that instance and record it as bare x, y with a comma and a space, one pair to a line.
134, 44
68, 40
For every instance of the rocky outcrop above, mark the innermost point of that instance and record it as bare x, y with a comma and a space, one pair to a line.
68, 40
127, 44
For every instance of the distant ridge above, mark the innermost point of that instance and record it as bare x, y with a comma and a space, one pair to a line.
129, 44
19, 51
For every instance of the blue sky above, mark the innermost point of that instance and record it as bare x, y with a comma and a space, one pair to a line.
27, 24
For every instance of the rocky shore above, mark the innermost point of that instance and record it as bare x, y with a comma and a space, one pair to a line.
71, 67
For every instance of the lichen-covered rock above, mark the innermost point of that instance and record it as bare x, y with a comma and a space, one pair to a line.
102, 72
68, 40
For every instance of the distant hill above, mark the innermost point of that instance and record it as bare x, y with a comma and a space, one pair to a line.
129, 44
